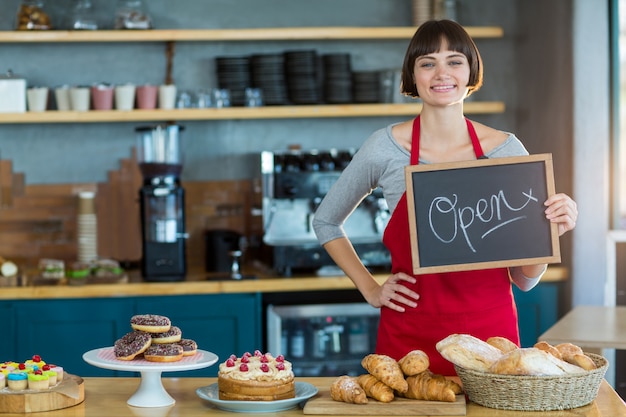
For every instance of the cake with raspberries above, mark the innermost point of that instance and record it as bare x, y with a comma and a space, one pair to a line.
258, 377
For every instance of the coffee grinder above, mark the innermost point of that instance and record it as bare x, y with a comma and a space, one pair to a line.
162, 203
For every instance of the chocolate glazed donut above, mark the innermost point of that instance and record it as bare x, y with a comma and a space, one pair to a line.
170, 352
131, 345
150, 323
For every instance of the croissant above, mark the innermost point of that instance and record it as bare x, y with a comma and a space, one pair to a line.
347, 390
456, 388
375, 389
386, 369
414, 362
427, 387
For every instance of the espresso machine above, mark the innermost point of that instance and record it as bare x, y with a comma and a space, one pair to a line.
162, 203
294, 184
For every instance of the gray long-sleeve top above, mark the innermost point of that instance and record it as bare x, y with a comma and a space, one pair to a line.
380, 163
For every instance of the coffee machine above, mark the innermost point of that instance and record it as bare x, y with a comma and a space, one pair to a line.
162, 203
294, 184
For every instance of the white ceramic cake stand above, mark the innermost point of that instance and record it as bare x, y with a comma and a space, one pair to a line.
151, 392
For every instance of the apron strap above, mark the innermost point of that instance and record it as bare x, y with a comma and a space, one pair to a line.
415, 141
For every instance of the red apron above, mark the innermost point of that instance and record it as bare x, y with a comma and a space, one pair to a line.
479, 303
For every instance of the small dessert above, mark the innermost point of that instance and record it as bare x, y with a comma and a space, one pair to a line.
3, 380
190, 347
34, 361
150, 323
55, 368
17, 380
52, 376
173, 335
52, 268
258, 377
169, 352
131, 345
38, 381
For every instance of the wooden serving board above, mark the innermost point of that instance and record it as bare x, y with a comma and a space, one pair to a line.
67, 393
322, 404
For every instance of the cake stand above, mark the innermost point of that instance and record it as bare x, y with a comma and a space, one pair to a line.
151, 392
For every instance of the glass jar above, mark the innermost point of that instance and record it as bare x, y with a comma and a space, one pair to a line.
31, 15
132, 14
83, 16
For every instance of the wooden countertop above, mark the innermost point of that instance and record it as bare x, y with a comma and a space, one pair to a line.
197, 283
590, 327
106, 397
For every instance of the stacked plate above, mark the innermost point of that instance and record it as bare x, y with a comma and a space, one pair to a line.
268, 74
233, 73
337, 78
366, 86
301, 70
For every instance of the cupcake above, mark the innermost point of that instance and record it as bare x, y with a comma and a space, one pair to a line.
17, 380
52, 375
57, 369
35, 361
3, 381
38, 381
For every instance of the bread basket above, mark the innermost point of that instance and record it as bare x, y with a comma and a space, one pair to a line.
533, 393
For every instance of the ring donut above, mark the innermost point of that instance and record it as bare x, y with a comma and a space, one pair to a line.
131, 345
151, 323
170, 352
173, 335
190, 347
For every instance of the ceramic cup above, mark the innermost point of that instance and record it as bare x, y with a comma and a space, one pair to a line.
62, 98
37, 98
167, 96
102, 97
147, 96
79, 98
125, 97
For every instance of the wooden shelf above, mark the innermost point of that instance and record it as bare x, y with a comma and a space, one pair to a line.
267, 112
256, 34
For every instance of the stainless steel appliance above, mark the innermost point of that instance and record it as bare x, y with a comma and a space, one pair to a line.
162, 202
294, 184
323, 339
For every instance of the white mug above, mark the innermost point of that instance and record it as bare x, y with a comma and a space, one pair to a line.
167, 96
79, 98
125, 97
62, 97
37, 98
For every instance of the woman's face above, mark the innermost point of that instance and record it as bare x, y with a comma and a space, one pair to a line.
441, 78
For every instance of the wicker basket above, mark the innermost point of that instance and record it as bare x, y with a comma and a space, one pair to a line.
533, 393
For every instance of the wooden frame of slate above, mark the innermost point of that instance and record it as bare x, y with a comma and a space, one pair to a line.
480, 214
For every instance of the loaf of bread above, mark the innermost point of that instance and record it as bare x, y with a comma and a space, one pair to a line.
532, 361
468, 352
502, 343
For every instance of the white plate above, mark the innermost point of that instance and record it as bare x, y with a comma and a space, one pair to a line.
304, 391
105, 358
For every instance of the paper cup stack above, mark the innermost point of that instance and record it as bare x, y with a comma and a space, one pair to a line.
422, 11
87, 229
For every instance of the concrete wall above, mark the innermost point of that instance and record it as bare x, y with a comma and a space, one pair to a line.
65, 153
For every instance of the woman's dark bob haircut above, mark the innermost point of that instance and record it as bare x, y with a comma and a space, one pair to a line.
428, 39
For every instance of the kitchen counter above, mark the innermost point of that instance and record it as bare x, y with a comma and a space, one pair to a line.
106, 397
196, 282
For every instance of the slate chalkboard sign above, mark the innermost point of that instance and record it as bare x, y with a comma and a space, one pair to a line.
481, 214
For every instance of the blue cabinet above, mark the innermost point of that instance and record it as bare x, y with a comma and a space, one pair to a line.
62, 330
537, 309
